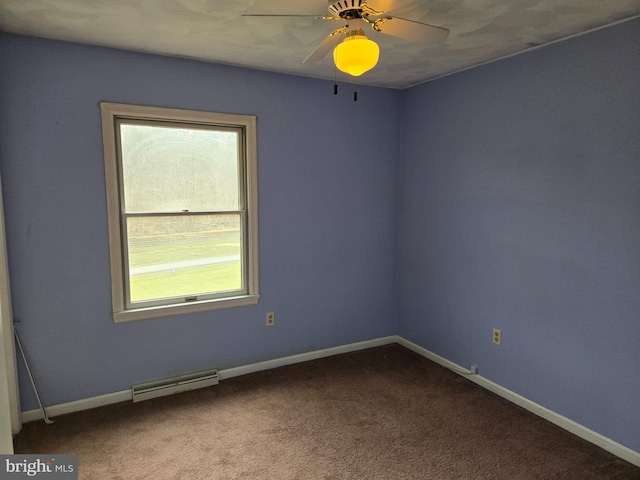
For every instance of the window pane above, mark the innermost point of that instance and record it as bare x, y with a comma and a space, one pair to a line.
172, 169
185, 255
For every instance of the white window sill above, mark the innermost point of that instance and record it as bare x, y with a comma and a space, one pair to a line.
183, 308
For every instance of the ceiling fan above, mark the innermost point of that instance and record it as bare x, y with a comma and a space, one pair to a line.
353, 52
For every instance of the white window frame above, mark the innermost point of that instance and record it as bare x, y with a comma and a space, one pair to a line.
111, 114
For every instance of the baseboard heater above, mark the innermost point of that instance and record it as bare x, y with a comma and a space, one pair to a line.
169, 386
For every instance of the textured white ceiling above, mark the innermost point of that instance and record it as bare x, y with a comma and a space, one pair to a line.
214, 30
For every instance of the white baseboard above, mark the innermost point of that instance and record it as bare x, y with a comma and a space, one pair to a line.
77, 406
581, 431
125, 395
304, 357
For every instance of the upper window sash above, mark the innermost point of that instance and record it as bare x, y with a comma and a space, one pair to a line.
173, 136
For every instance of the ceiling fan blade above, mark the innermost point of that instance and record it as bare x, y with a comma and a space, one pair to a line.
409, 30
326, 46
318, 17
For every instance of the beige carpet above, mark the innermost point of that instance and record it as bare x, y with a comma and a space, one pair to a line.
384, 413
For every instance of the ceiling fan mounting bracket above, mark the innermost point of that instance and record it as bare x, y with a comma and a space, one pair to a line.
367, 10
339, 6
350, 9
377, 24
351, 14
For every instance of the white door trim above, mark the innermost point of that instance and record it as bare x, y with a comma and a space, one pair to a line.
9, 397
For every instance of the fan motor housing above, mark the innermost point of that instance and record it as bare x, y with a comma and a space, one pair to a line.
347, 8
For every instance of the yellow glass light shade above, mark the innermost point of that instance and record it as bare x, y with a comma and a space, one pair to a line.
356, 55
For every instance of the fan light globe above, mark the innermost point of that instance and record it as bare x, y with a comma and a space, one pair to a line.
356, 55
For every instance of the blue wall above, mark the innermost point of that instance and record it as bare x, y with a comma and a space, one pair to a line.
520, 210
328, 174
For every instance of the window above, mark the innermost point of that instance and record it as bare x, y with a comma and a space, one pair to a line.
182, 209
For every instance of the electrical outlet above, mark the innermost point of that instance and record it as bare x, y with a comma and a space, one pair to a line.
497, 336
474, 369
271, 319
